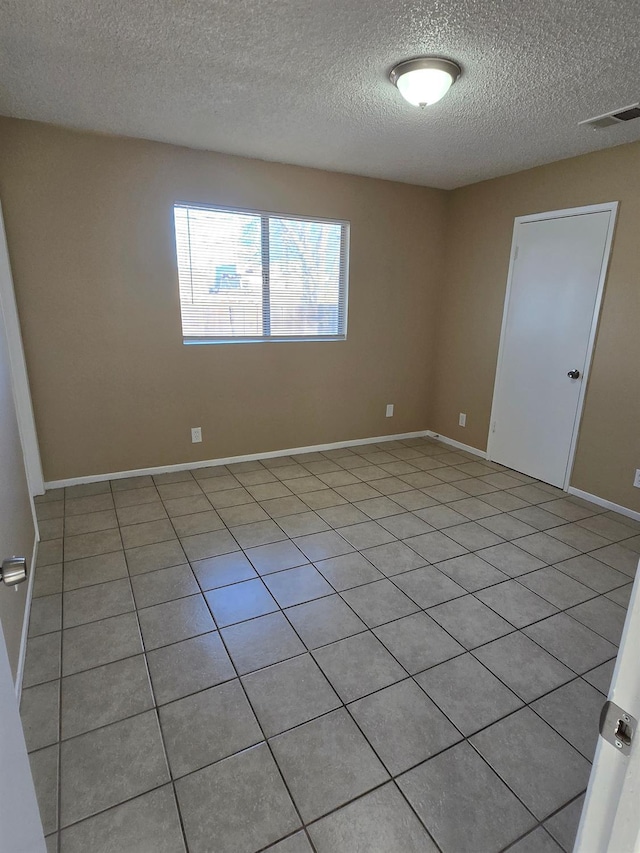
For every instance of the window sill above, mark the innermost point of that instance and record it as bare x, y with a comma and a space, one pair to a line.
270, 340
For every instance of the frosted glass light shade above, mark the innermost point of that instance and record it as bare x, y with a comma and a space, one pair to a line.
425, 81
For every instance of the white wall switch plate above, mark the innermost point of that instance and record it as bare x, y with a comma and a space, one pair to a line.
196, 435
462, 419
389, 413
636, 479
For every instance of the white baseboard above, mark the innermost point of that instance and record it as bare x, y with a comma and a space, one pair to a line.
25, 619
457, 444
230, 460
623, 510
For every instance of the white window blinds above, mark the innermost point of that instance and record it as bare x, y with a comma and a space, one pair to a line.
254, 276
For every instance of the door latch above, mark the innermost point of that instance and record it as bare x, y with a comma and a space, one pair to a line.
13, 571
617, 727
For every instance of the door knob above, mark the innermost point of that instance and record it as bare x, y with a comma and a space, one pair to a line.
573, 374
14, 570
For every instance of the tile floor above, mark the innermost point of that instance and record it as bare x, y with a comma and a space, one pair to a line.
391, 647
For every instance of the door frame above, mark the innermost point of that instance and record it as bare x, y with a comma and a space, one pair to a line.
612, 207
26, 424
20, 823
19, 376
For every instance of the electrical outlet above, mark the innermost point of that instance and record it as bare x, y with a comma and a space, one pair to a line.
462, 419
636, 479
196, 435
389, 413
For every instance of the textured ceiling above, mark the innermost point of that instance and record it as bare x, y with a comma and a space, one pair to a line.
305, 81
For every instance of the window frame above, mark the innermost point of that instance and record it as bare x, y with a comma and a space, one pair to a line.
265, 215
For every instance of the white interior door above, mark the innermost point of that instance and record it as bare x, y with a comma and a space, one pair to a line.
17, 518
610, 821
20, 380
20, 826
558, 264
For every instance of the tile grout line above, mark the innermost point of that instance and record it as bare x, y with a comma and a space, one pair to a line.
328, 595
368, 629
156, 710
392, 777
346, 707
266, 740
507, 578
309, 652
412, 678
540, 825
247, 699
264, 737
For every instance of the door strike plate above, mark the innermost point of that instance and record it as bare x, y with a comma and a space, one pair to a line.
617, 727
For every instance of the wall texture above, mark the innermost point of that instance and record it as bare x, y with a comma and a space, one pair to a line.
480, 224
90, 233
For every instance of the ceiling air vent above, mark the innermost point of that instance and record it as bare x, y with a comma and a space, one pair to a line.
614, 117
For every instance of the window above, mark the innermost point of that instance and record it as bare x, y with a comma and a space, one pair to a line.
253, 276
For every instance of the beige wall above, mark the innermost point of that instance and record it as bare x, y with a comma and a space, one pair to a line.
480, 224
89, 226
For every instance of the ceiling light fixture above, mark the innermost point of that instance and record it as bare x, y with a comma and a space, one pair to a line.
425, 80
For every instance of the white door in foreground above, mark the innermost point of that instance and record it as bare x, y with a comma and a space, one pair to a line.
610, 821
558, 264
20, 826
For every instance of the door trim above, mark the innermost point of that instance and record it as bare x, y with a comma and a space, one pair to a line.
25, 621
612, 207
19, 377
